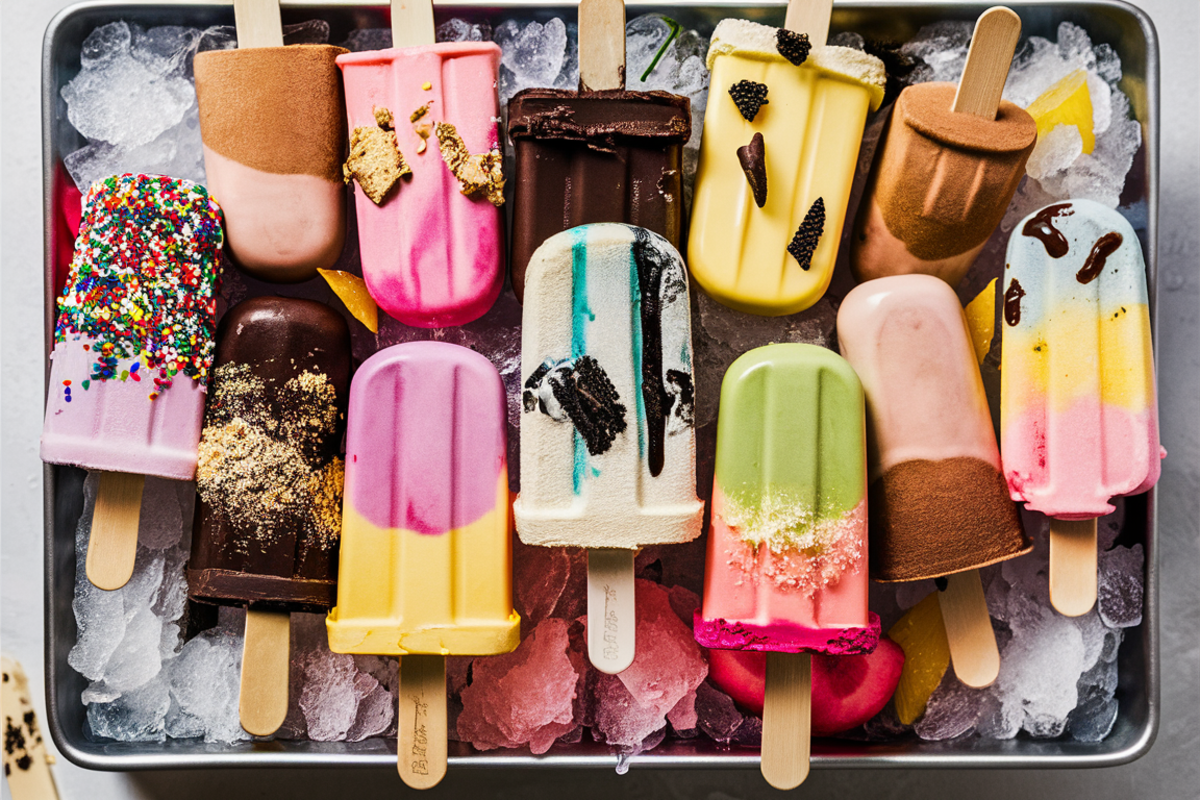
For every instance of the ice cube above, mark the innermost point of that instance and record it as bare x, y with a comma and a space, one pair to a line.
952, 711
137, 716
459, 30
1094, 720
1120, 586
1055, 152
717, 716
328, 698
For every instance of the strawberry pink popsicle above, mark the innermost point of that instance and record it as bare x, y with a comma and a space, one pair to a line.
431, 241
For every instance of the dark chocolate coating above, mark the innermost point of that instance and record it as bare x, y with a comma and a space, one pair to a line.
278, 339
584, 157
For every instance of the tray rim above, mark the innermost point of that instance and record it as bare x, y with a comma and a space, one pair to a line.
255, 755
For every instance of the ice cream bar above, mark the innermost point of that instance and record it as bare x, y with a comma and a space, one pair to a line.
274, 138
938, 500
1078, 413
430, 228
270, 474
133, 344
787, 547
946, 170
425, 554
607, 436
782, 130
595, 156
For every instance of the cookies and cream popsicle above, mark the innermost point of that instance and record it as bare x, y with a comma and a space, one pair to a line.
782, 130
274, 133
607, 430
133, 345
1078, 406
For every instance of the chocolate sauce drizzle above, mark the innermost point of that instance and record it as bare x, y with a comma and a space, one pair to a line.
1041, 227
1012, 302
652, 263
1104, 247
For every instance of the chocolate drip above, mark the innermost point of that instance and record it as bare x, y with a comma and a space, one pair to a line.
1012, 302
753, 159
1041, 227
1105, 247
651, 264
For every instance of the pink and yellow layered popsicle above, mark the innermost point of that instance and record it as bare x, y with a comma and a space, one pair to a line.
432, 245
425, 551
1078, 412
787, 550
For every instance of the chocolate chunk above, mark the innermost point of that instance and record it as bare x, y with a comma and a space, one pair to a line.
792, 46
1104, 247
808, 235
749, 97
754, 164
590, 400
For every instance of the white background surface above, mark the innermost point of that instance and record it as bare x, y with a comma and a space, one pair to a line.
1170, 770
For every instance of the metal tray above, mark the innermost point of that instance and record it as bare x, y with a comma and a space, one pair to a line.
1127, 29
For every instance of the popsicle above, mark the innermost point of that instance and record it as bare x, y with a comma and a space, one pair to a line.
940, 505
607, 433
274, 138
425, 566
270, 483
431, 232
951, 160
601, 154
1078, 408
781, 135
787, 547
132, 350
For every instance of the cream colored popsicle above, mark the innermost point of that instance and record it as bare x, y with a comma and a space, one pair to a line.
774, 179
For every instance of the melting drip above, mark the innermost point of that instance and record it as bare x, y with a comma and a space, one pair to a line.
1012, 302
1041, 227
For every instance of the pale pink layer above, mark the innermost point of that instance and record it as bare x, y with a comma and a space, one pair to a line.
431, 256
280, 228
425, 437
1069, 465
877, 253
747, 609
113, 425
907, 338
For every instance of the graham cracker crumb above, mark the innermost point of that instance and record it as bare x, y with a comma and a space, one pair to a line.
477, 173
375, 159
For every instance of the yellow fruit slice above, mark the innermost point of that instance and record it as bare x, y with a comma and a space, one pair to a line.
981, 320
921, 634
352, 291
1067, 102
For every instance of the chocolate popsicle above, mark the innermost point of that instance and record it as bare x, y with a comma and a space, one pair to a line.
270, 483
601, 154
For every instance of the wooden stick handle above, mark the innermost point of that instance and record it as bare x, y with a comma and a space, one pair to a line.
612, 616
421, 718
258, 23
973, 650
601, 44
266, 661
787, 719
1073, 566
112, 547
26, 762
412, 23
992, 46
811, 17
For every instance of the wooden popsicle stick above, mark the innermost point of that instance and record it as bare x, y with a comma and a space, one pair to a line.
973, 650
258, 23
266, 660
601, 45
811, 17
26, 762
992, 46
787, 719
412, 23
112, 547
421, 718
612, 616
1073, 566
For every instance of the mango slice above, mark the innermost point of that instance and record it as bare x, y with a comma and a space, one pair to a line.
1067, 102
981, 320
352, 291
921, 634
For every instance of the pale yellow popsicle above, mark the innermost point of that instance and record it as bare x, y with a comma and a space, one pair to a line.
811, 126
